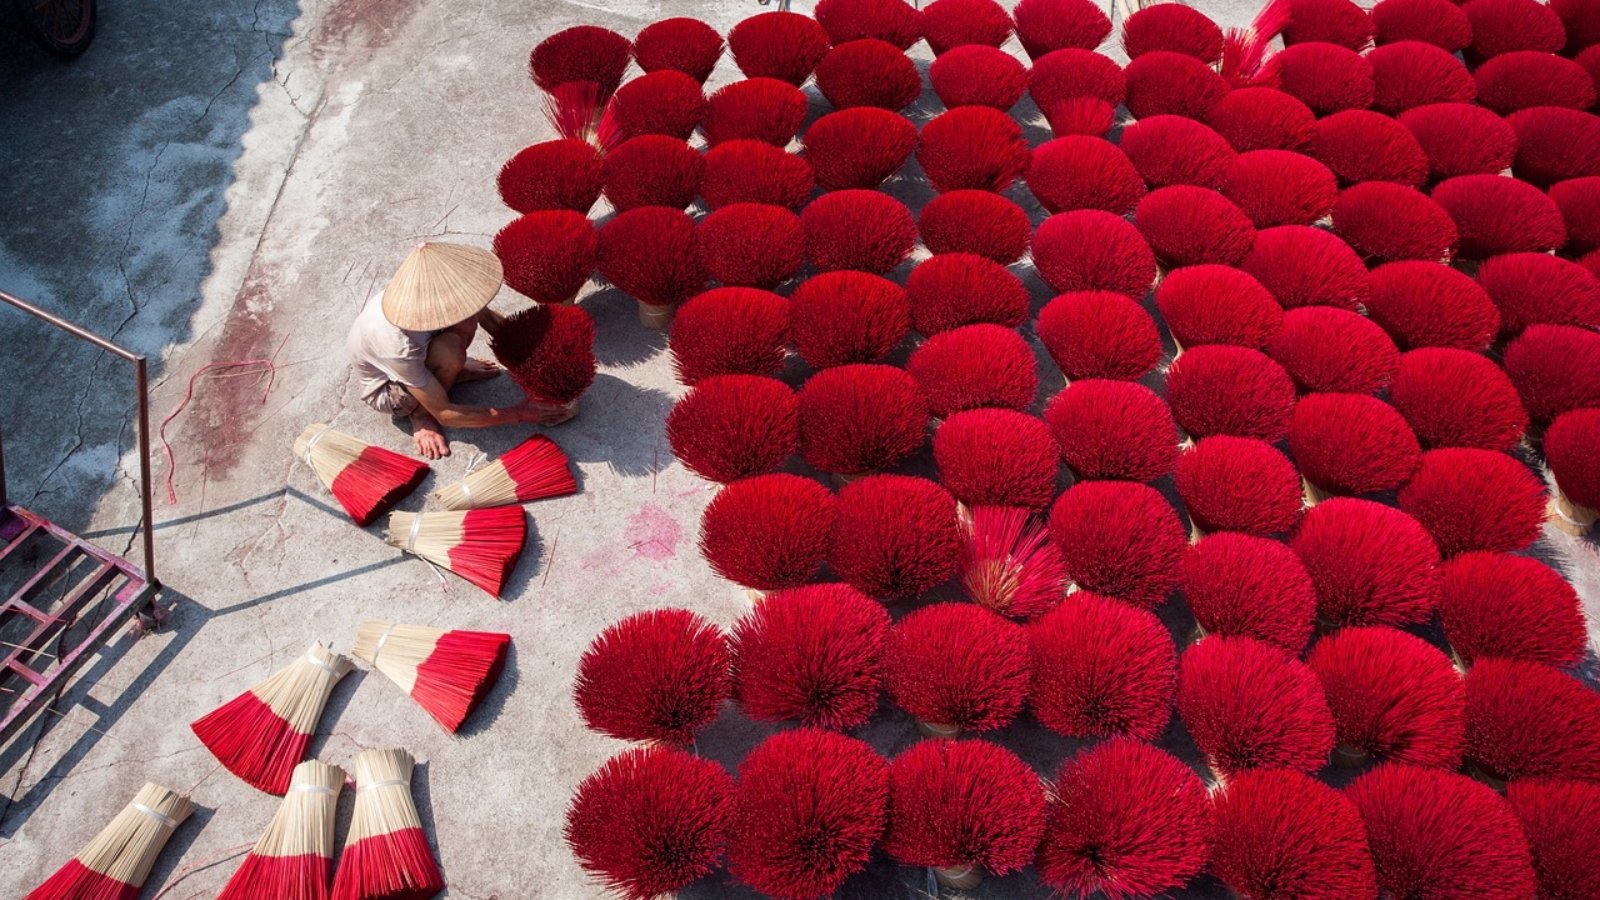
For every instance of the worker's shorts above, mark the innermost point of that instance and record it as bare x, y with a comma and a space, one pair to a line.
395, 399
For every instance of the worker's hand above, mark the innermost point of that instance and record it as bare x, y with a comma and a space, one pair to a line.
541, 413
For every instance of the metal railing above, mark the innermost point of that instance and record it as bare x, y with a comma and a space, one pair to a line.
141, 381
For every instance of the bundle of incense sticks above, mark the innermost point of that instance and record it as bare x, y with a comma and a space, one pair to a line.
293, 860
116, 863
366, 480
447, 672
262, 734
386, 854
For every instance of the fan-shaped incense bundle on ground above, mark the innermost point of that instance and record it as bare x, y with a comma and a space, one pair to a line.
1223, 389
659, 675
1174, 27
480, 545
1276, 830
1570, 449
976, 75
365, 479
1079, 171
1511, 607
1170, 150
558, 174
894, 21
293, 860
957, 806
582, 53
1009, 563
1113, 430
769, 531
1438, 22
1099, 334
651, 821
1435, 833
1324, 348
1217, 305
1102, 668
1281, 187
117, 861
1424, 304
1362, 145
685, 45
951, 23
858, 148
1093, 250
262, 734
1127, 820
535, 469
386, 853
1163, 83
898, 536
844, 317
1393, 696
978, 223
730, 331
447, 672
958, 667
1120, 539
953, 289
1251, 705
1461, 139
749, 171
652, 170
809, 807
733, 426
1371, 564
813, 654
1263, 118
548, 350
1238, 584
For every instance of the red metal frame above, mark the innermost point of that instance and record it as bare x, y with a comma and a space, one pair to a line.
64, 633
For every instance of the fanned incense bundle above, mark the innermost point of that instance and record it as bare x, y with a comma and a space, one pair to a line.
447, 672
386, 856
366, 480
480, 545
262, 734
293, 860
535, 469
114, 865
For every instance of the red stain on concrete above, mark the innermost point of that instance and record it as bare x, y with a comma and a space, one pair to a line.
653, 533
376, 21
226, 409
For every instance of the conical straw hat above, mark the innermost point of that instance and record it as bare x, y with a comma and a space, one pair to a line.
440, 285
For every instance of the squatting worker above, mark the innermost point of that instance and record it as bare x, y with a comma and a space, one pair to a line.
408, 346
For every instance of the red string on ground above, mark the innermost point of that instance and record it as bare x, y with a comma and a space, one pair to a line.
270, 370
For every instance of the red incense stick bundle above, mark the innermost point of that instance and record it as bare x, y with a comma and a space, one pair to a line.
115, 864
480, 545
535, 469
960, 805
1009, 563
386, 854
366, 480
659, 676
447, 672
261, 735
651, 821
293, 860
1128, 820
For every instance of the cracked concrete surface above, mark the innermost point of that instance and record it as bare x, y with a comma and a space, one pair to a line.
228, 181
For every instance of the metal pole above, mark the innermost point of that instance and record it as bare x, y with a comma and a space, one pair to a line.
141, 384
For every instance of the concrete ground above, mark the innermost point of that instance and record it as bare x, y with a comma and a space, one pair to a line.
227, 181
